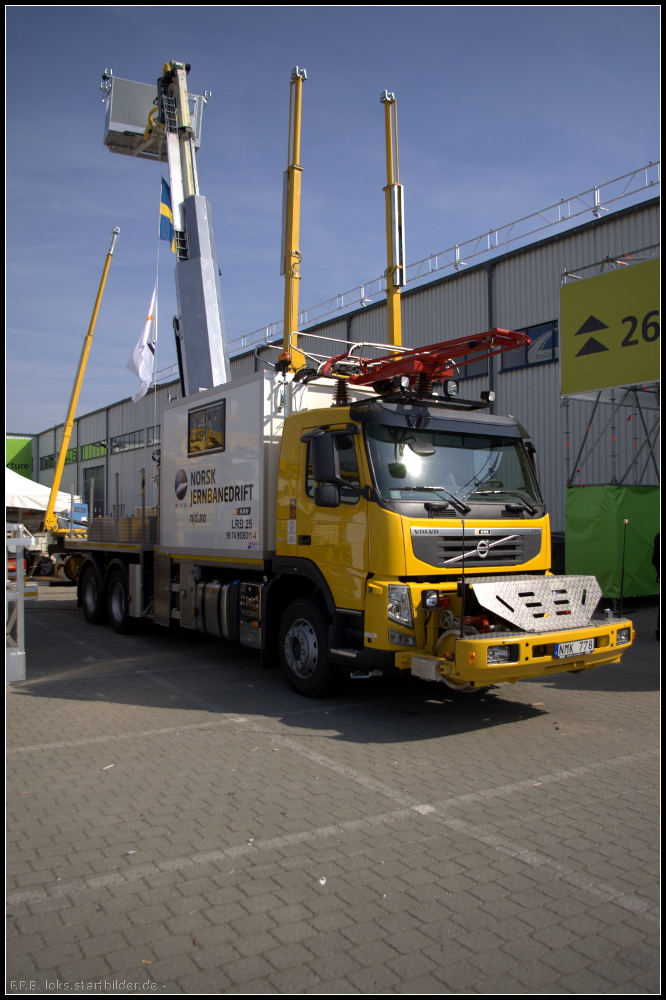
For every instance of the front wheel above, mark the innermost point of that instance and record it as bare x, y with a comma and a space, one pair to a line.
303, 649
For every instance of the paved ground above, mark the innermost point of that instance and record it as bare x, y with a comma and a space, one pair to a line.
182, 821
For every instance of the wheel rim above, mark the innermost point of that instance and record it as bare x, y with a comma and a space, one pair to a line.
300, 648
118, 601
463, 685
90, 594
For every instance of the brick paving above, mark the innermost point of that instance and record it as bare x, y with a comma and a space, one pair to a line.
180, 820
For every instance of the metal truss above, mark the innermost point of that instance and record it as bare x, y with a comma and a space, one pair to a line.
643, 454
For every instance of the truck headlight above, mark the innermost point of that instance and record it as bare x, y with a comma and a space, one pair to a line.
430, 598
400, 605
623, 635
501, 654
435, 599
400, 639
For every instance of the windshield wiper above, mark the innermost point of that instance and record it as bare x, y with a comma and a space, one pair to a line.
512, 493
459, 505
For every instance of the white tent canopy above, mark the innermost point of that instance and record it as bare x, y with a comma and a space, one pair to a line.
24, 493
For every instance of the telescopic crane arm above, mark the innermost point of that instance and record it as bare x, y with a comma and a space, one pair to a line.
172, 132
395, 225
290, 265
50, 520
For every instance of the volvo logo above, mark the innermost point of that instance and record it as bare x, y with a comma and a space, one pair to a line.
181, 484
482, 548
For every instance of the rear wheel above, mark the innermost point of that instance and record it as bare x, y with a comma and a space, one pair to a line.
92, 596
117, 602
303, 650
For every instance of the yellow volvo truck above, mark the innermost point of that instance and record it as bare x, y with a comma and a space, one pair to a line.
342, 513
355, 531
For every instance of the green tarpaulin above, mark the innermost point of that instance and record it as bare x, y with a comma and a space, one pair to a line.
594, 522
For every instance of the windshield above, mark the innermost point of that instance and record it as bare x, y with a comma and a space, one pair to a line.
410, 464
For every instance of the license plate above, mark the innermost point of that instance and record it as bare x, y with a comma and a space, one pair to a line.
577, 648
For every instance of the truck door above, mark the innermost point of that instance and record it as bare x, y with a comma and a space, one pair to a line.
336, 539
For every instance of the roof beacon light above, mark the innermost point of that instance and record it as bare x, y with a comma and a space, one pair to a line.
283, 362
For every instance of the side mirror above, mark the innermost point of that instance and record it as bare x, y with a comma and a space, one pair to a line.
325, 461
327, 495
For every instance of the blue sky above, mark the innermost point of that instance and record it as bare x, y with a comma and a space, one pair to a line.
503, 111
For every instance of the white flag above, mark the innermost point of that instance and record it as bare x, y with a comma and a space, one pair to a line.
142, 361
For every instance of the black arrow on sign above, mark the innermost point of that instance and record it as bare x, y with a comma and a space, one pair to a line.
590, 325
591, 346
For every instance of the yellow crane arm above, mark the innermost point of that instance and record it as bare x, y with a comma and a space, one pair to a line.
51, 521
291, 223
395, 226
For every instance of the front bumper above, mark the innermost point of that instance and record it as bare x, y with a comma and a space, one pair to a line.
533, 655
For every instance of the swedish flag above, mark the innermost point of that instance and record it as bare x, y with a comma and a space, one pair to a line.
166, 216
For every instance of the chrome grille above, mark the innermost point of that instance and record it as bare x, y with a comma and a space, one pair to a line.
443, 547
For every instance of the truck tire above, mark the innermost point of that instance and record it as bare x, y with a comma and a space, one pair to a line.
465, 690
303, 650
117, 603
92, 596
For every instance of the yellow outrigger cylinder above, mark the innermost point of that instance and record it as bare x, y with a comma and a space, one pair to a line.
395, 227
51, 521
291, 221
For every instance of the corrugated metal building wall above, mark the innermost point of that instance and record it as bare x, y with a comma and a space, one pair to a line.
516, 290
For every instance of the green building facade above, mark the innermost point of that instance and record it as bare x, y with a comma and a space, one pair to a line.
19, 454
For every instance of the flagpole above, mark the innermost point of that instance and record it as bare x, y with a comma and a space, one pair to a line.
157, 283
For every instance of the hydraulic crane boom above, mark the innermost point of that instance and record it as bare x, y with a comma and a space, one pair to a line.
156, 123
201, 324
50, 520
395, 226
291, 222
